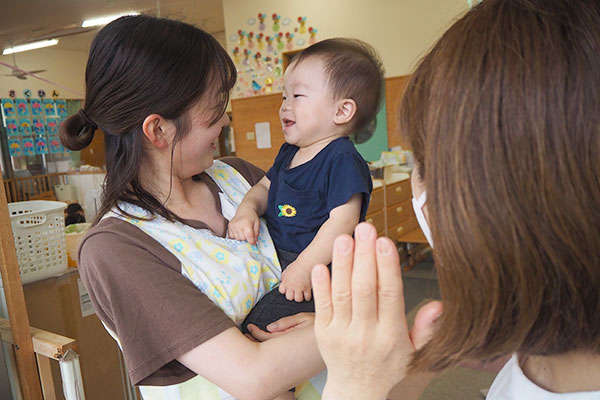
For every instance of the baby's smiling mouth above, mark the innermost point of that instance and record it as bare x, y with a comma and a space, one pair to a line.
287, 122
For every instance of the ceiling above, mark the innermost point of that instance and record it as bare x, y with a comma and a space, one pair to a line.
26, 21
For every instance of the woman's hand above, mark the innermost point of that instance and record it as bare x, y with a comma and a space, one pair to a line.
282, 326
360, 322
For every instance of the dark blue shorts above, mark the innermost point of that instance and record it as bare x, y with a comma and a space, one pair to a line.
274, 305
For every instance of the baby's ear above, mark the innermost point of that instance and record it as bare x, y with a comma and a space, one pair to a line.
345, 110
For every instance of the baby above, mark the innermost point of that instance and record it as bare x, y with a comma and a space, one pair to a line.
319, 185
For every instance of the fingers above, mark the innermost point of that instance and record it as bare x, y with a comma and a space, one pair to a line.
258, 333
424, 326
248, 232
256, 230
364, 274
390, 296
341, 271
289, 322
322, 292
307, 295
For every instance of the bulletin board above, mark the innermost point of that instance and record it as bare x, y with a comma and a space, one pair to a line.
31, 125
257, 50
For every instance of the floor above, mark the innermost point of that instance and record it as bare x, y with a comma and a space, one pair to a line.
420, 285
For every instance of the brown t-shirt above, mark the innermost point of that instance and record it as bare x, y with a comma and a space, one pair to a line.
137, 289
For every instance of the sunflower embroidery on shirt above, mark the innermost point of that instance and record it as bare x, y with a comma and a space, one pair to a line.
286, 211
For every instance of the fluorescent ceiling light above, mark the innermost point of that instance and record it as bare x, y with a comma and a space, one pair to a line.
30, 46
104, 20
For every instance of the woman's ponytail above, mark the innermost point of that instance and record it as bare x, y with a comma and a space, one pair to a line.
77, 131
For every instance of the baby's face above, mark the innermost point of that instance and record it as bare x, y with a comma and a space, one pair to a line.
308, 107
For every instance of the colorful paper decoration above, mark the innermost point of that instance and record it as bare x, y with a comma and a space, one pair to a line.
36, 107
38, 126
41, 145
61, 108
261, 19
52, 126
55, 146
25, 126
22, 108
12, 129
49, 109
9, 108
14, 147
276, 19
28, 146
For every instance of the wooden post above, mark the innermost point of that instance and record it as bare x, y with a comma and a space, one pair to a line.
17, 311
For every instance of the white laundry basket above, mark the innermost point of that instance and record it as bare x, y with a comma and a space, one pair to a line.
39, 232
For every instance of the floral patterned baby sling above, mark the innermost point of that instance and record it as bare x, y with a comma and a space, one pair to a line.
232, 273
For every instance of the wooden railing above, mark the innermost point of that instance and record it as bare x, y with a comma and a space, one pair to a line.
50, 346
36, 187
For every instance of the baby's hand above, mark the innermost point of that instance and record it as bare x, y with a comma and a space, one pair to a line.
295, 283
245, 225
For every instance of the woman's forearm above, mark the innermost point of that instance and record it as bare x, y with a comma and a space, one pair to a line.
251, 370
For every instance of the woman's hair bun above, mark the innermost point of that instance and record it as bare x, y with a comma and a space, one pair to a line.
77, 131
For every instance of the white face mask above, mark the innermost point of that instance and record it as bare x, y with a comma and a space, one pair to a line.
418, 207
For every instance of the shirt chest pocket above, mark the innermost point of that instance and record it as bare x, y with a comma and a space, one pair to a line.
294, 207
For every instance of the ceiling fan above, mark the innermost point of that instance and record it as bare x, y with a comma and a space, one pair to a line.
19, 73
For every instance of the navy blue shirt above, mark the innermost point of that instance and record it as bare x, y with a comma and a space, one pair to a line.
301, 198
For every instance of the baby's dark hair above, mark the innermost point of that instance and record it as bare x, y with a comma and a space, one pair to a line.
355, 71
73, 208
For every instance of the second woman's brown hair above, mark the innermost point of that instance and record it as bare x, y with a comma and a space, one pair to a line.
503, 116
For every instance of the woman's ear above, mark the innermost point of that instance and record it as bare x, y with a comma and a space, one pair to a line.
158, 130
345, 110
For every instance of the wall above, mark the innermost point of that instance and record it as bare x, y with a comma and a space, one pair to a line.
401, 30
64, 67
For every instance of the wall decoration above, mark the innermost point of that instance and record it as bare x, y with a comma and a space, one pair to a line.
250, 37
41, 93
27, 93
55, 94
49, 110
14, 147
36, 107
52, 126
38, 126
22, 107
12, 94
25, 126
12, 129
289, 37
54, 144
258, 55
41, 145
302, 22
276, 19
61, 108
312, 32
261, 20
9, 108
28, 146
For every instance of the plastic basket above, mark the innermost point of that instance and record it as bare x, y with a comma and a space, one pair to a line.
39, 232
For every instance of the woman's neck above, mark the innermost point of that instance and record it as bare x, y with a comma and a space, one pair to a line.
566, 373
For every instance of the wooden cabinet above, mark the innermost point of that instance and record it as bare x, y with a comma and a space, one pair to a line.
394, 90
392, 214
